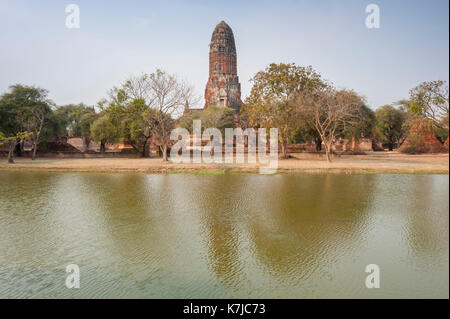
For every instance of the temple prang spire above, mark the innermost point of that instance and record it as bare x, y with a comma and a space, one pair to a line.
223, 88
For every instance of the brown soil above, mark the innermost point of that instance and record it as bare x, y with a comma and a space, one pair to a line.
375, 162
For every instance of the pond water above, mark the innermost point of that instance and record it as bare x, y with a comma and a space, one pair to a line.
223, 236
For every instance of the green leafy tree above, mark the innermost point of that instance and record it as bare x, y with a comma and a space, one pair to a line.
147, 106
133, 126
102, 130
218, 117
186, 121
362, 127
11, 128
272, 99
390, 125
11, 140
125, 112
74, 119
24, 112
213, 116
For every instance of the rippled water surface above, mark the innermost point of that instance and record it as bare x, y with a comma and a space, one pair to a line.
205, 236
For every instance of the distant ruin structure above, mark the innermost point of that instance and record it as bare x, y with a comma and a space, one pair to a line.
421, 139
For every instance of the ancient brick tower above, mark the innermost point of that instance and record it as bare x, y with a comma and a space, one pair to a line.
223, 87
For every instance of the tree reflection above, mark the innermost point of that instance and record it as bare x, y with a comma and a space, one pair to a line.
302, 224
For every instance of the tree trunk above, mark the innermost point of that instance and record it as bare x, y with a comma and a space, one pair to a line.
391, 146
33, 155
318, 142
284, 149
328, 151
18, 148
22, 146
36, 139
102, 147
165, 157
12, 146
135, 147
144, 152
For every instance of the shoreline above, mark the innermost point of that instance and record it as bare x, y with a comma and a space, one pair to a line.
371, 163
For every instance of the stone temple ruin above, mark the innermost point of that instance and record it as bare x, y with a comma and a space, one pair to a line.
421, 139
223, 88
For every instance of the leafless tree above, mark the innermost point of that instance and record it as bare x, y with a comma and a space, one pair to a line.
35, 124
161, 98
431, 99
328, 110
167, 96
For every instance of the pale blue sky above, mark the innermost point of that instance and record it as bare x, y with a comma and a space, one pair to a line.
121, 38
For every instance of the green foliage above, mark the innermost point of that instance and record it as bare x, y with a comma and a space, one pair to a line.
145, 107
271, 102
133, 125
159, 125
186, 121
24, 109
219, 117
415, 144
431, 100
441, 133
390, 125
363, 126
73, 120
271, 98
102, 129
213, 116
6, 139
16, 107
126, 119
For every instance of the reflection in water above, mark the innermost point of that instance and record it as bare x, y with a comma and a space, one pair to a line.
425, 224
180, 236
219, 208
310, 222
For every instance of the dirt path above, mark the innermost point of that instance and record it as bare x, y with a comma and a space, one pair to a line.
379, 162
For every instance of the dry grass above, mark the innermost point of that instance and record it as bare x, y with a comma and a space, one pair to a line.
383, 162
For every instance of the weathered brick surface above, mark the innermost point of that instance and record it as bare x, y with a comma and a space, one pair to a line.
423, 130
223, 87
445, 146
